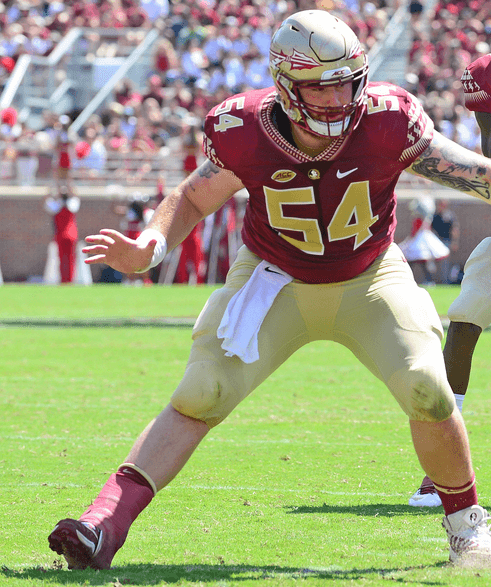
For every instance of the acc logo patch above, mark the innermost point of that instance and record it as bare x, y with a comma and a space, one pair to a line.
283, 175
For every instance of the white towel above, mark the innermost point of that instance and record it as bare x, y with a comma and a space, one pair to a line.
247, 309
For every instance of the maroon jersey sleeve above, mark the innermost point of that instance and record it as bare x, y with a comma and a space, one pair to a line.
476, 81
231, 124
397, 123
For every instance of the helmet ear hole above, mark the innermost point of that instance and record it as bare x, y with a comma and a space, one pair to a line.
312, 48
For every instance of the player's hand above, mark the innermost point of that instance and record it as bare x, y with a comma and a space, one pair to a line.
118, 251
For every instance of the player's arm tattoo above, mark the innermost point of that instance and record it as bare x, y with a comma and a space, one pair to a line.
206, 170
209, 187
453, 166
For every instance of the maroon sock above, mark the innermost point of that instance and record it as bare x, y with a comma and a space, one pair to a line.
125, 494
457, 498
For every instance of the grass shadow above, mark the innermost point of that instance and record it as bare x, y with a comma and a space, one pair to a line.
148, 574
378, 509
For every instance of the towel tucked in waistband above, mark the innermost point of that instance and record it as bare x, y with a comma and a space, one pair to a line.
247, 309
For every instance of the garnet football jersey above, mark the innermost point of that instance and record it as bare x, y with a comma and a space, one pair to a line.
476, 81
321, 219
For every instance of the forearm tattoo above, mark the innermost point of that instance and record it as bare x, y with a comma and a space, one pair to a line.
450, 165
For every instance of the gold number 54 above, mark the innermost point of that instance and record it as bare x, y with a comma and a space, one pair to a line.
353, 217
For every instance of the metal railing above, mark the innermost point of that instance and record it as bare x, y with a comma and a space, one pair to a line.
40, 82
388, 58
64, 80
106, 91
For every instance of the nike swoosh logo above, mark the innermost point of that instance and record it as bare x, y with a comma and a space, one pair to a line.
341, 174
93, 546
269, 270
86, 542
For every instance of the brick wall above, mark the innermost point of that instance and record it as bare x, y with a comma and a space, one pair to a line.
26, 229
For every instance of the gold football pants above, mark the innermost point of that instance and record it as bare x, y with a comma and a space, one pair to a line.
473, 304
387, 321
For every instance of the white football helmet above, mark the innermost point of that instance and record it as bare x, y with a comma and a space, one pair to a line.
313, 48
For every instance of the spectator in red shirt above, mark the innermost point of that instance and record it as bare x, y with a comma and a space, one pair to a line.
165, 58
154, 90
64, 150
125, 93
7, 65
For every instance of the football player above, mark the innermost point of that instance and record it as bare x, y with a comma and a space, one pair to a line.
470, 313
320, 154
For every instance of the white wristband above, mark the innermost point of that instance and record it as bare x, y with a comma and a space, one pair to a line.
160, 248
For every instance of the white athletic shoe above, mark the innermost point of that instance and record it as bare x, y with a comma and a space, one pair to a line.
469, 537
425, 497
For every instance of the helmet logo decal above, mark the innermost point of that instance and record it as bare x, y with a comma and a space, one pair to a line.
297, 60
336, 73
355, 49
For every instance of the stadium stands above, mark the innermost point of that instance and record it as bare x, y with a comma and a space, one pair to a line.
95, 61
447, 36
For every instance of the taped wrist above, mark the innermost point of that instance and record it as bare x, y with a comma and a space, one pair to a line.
160, 248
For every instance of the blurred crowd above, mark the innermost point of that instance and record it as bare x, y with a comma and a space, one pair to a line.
446, 39
211, 49
207, 51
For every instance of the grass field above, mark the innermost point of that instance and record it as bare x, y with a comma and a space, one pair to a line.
306, 483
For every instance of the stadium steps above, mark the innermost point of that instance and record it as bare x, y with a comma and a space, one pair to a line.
388, 59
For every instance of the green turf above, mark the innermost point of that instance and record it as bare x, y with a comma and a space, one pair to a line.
305, 483
100, 301
116, 301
